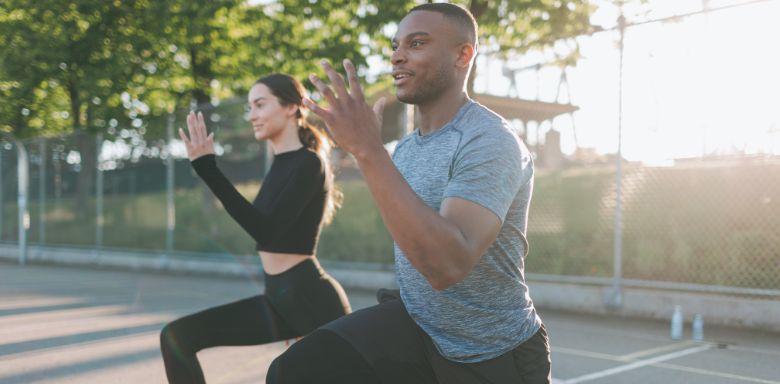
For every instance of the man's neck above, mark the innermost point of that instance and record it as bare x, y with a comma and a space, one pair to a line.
437, 113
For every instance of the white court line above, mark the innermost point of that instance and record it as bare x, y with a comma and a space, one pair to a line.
635, 365
578, 352
653, 351
717, 374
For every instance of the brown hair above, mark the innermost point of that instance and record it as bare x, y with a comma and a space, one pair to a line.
290, 91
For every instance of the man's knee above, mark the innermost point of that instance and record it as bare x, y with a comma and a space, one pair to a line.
320, 357
272, 377
289, 368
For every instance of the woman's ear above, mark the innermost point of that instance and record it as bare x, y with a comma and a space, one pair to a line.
292, 110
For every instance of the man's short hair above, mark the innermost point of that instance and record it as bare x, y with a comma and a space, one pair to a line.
462, 18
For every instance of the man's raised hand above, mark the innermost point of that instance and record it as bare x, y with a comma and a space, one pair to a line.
355, 125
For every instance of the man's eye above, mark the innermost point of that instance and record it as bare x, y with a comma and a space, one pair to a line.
415, 43
394, 47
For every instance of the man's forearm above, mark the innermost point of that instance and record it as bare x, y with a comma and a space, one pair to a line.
435, 247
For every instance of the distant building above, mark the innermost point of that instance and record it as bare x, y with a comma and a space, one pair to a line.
517, 111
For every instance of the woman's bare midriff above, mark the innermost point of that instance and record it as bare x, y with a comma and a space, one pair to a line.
276, 263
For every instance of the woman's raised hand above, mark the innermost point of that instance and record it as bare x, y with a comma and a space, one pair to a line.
198, 144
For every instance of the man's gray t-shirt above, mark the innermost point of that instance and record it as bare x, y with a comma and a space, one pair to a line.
478, 157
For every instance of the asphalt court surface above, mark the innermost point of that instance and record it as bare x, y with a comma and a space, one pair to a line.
67, 325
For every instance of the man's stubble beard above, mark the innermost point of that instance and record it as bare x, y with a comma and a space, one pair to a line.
430, 90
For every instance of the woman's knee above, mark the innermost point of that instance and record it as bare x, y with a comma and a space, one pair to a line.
166, 336
173, 335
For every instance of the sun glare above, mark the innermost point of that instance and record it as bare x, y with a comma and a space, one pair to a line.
701, 86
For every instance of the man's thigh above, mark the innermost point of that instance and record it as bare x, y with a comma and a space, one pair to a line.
389, 341
321, 357
528, 363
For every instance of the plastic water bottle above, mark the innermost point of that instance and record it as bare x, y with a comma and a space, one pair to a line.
697, 328
677, 323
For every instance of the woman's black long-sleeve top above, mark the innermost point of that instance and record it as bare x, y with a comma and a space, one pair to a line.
285, 216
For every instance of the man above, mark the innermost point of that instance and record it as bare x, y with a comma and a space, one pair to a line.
455, 198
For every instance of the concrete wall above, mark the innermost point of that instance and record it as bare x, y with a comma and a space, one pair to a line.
658, 304
758, 313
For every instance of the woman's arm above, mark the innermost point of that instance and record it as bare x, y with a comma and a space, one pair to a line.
288, 199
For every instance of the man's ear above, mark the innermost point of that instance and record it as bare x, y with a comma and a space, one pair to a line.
466, 52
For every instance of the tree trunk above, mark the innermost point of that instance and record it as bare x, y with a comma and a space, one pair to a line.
20, 123
201, 73
86, 148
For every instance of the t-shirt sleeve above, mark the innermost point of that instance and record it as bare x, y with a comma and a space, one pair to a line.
489, 169
289, 199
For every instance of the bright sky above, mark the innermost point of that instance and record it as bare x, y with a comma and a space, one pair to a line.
707, 84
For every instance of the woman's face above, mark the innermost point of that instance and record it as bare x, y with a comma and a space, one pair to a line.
267, 116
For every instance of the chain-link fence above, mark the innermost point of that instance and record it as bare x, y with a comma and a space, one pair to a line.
698, 194
713, 222
710, 221
133, 189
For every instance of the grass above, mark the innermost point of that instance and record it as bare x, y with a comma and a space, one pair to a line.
696, 224
700, 224
139, 222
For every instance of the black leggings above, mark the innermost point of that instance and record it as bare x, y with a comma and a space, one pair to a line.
295, 303
382, 344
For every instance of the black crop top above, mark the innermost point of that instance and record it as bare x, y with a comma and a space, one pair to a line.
285, 216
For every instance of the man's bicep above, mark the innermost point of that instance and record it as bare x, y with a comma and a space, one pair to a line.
479, 225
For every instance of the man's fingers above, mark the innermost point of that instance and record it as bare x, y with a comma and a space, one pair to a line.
354, 82
324, 114
379, 108
335, 80
323, 89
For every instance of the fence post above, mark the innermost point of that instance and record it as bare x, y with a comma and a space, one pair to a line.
23, 171
2, 201
98, 194
615, 297
42, 193
169, 189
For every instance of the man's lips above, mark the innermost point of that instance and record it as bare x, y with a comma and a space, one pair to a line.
400, 76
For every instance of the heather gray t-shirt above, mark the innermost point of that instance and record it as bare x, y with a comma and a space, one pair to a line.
477, 157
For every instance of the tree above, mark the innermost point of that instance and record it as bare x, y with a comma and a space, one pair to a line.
510, 28
81, 65
84, 53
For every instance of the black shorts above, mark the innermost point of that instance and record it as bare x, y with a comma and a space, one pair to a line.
399, 351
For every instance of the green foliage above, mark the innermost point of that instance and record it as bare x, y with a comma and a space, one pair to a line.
569, 231
94, 65
80, 54
517, 26
357, 232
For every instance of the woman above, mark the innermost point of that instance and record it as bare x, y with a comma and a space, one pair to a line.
297, 197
